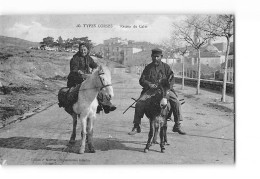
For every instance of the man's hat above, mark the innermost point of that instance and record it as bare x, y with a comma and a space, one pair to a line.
156, 51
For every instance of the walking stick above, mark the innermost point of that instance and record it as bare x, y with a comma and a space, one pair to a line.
136, 100
131, 106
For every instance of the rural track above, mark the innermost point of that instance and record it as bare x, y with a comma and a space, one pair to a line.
42, 139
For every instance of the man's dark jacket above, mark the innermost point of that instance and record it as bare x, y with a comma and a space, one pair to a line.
153, 73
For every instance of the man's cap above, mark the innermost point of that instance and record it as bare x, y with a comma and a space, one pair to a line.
156, 51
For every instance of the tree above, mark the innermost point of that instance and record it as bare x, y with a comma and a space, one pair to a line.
60, 41
85, 40
48, 41
68, 43
182, 52
221, 26
189, 31
177, 47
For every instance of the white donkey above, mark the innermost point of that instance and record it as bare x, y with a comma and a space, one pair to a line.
85, 107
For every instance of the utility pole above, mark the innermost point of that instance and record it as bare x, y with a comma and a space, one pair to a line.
182, 87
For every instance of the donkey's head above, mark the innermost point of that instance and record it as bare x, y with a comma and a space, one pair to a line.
164, 87
104, 80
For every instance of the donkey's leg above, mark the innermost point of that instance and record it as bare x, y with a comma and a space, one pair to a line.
73, 135
162, 139
155, 135
83, 119
165, 134
90, 134
150, 135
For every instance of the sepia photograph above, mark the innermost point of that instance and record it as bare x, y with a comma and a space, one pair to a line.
133, 89
117, 89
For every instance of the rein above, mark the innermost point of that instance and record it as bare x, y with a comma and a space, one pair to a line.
103, 85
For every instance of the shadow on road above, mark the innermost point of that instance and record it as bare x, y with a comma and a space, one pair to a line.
220, 138
33, 143
28, 143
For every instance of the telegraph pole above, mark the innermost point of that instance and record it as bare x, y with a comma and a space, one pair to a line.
182, 87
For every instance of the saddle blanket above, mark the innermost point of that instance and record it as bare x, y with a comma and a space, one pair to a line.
68, 96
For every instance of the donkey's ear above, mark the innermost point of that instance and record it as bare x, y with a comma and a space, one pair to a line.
171, 77
100, 69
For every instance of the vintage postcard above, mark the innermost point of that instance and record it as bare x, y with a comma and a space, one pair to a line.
117, 89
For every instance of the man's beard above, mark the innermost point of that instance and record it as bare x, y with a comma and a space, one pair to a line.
156, 62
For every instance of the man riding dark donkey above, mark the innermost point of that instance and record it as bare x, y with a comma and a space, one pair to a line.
80, 65
152, 73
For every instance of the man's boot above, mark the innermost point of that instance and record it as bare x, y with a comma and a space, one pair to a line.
177, 128
99, 108
105, 102
136, 129
108, 108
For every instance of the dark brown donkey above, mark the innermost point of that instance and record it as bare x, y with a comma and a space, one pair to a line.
157, 111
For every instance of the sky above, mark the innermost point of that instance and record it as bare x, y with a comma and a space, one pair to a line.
247, 65
98, 27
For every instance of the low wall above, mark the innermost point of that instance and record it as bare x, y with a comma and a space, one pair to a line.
206, 84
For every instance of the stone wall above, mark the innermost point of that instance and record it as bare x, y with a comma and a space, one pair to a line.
206, 84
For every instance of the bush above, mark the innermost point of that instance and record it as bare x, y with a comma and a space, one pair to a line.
5, 56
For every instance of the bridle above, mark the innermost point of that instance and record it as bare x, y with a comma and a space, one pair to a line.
103, 85
164, 92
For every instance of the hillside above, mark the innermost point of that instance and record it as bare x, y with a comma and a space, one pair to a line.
11, 41
31, 78
26, 78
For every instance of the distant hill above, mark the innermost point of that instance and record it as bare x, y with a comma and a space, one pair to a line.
12, 41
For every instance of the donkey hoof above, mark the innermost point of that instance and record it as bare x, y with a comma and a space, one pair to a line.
92, 151
163, 150
146, 150
81, 151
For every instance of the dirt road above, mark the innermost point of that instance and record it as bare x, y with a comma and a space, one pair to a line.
43, 138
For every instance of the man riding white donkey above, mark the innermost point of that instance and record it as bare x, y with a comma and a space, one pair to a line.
151, 74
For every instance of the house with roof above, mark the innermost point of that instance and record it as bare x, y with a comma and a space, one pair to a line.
221, 46
209, 56
127, 52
